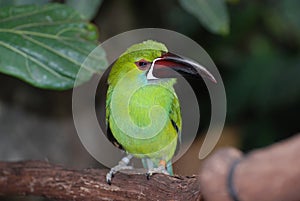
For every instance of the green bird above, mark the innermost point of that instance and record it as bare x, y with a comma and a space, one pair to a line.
143, 114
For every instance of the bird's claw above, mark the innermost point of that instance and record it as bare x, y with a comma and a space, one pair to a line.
159, 169
114, 170
123, 165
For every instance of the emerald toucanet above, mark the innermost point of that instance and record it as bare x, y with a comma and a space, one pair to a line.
143, 114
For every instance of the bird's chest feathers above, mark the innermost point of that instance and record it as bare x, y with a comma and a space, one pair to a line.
139, 107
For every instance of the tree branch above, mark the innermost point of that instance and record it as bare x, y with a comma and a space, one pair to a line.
53, 181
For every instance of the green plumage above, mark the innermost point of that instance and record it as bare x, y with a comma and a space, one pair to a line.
143, 116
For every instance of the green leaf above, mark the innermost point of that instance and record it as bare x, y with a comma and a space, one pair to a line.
87, 8
212, 14
46, 45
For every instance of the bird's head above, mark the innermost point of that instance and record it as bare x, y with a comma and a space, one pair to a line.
152, 61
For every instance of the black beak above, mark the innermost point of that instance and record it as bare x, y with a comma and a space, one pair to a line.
168, 64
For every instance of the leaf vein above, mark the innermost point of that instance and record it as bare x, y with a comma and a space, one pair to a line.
57, 53
38, 24
22, 53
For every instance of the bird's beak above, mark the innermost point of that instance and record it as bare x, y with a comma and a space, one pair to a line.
169, 65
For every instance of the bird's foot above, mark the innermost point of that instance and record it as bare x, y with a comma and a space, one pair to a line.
160, 169
123, 165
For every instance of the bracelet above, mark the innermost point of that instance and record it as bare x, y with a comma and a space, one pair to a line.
230, 186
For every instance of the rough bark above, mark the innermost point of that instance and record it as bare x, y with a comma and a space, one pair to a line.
52, 181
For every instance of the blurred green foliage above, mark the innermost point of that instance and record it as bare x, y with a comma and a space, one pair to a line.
88, 8
22, 2
261, 64
211, 13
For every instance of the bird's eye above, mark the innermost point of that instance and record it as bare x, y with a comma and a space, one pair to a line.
142, 64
